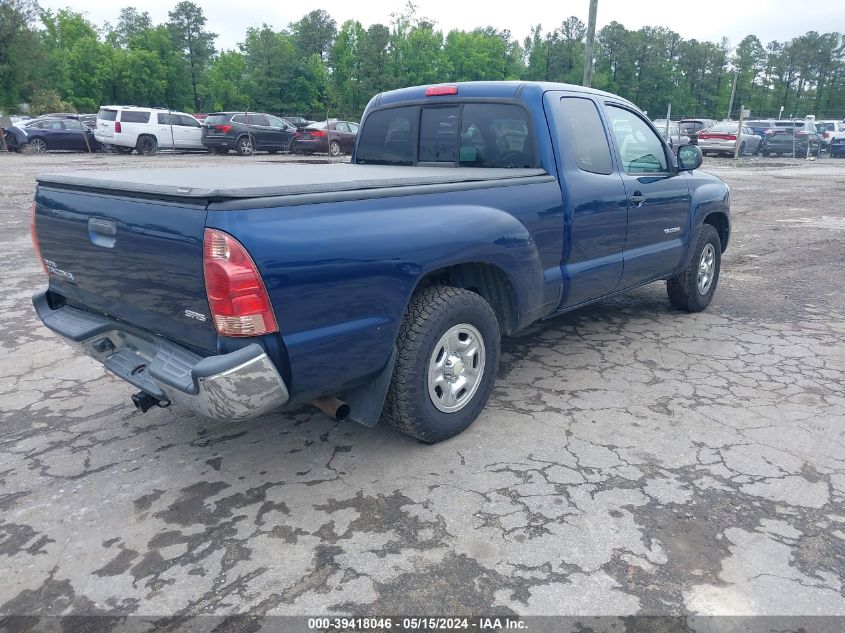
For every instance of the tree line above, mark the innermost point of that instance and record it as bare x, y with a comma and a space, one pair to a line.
56, 60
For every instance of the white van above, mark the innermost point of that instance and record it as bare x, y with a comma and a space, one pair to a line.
147, 130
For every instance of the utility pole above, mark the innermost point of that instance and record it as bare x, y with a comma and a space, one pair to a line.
733, 92
668, 123
738, 143
588, 47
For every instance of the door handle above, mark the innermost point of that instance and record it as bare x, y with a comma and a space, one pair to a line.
637, 199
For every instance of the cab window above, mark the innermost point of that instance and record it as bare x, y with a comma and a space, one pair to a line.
640, 149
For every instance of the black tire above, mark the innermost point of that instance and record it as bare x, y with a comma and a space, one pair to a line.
431, 313
683, 288
292, 148
272, 151
766, 154
245, 146
742, 149
146, 145
220, 151
334, 148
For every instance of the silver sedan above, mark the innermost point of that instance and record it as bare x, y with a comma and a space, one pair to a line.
721, 139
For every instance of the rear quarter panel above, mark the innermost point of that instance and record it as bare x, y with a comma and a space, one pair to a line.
340, 274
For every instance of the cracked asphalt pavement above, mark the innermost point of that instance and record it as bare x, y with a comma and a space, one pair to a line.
632, 459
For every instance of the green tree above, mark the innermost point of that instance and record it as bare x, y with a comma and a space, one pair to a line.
21, 52
314, 34
225, 82
187, 28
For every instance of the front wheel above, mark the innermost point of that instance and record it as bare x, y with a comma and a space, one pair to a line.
448, 356
692, 289
37, 146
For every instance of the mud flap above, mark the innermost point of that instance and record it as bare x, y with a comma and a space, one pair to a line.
365, 403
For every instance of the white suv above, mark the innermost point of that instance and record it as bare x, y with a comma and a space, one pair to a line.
146, 130
830, 130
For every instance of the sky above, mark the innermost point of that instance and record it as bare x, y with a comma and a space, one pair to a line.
710, 20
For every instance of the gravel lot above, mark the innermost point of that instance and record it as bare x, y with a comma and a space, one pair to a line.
632, 459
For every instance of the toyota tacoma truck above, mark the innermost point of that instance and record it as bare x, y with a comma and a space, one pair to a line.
380, 288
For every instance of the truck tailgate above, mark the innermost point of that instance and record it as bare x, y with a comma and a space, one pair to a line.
138, 261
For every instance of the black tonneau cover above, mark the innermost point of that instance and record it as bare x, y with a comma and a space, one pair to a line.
259, 181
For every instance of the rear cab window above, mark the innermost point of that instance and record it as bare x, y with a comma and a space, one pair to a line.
467, 134
586, 135
107, 115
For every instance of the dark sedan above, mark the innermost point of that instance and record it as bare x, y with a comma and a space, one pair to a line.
334, 138
42, 135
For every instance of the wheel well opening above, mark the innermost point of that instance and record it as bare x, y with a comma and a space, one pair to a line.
486, 280
719, 222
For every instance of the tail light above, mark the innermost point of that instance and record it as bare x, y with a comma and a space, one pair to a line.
439, 91
223, 128
117, 127
318, 133
802, 133
35, 243
236, 295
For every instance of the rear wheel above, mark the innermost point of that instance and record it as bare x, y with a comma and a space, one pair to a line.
692, 289
37, 146
244, 146
272, 151
742, 149
147, 145
448, 356
334, 148
220, 151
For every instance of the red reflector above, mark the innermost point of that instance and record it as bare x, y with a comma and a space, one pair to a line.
439, 91
117, 127
236, 294
223, 128
35, 238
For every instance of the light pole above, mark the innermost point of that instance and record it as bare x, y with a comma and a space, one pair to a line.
588, 46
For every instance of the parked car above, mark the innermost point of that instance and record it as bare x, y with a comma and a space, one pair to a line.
797, 137
675, 137
692, 126
830, 130
837, 147
380, 286
759, 127
721, 139
298, 121
246, 132
42, 135
147, 130
334, 138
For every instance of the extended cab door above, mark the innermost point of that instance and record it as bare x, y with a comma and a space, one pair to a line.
658, 198
594, 199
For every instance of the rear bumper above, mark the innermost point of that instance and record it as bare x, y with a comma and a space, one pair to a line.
220, 141
236, 386
309, 145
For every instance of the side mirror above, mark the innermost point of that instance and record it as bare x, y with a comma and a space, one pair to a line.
689, 157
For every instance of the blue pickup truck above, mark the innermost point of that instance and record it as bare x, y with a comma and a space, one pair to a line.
378, 288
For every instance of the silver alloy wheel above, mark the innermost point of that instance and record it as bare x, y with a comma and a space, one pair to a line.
334, 148
246, 146
37, 146
456, 368
706, 268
